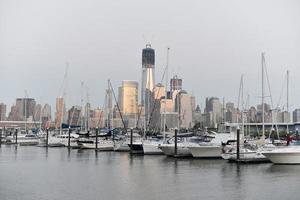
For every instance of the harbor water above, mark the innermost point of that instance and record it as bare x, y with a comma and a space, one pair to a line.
35, 173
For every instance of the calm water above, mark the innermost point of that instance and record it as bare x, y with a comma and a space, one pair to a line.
33, 173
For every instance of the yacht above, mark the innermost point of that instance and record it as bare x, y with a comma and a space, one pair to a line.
284, 155
183, 145
23, 139
212, 146
122, 145
63, 140
103, 144
151, 146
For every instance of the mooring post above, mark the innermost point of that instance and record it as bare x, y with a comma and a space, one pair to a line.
69, 138
273, 135
238, 143
47, 137
96, 149
175, 148
16, 135
131, 138
1, 137
297, 134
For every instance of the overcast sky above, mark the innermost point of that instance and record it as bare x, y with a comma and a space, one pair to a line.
212, 43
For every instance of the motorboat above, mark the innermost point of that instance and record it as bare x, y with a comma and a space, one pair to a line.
183, 145
23, 139
212, 146
122, 145
63, 140
151, 147
103, 144
284, 155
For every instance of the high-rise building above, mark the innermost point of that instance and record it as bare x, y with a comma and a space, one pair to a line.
46, 116
159, 91
37, 112
74, 116
148, 84
60, 112
25, 107
184, 101
2, 112
296, 115
98, 118
128, 101
14, 114
213, 111
128, 97
175, 83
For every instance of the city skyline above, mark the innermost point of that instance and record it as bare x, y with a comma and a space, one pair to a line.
210, 54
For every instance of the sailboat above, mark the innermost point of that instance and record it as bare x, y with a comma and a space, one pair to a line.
151, 146
251, 151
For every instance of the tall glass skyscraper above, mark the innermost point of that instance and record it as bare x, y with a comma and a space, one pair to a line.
148, 84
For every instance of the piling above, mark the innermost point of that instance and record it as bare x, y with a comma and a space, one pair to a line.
113, 136
238, 144
273, 136
175, 148
297, 135
1, 137
69, 138
16, 135
47, 137
96, 149
131, 138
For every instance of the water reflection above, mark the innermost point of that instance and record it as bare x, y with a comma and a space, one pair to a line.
86, 174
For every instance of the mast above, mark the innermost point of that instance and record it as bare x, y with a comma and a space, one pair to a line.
263, 93
166, 93
287, 100
64, 96
25, 113
82, 121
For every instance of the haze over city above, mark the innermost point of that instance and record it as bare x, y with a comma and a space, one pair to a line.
212, 43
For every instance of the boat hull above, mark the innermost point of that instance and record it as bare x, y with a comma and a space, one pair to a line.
136, 148
206, 151
182, 151
283, 157
152, 149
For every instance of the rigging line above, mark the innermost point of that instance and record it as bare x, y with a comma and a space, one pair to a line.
281, 92
101, 114
118, 106
269, 86
155, 102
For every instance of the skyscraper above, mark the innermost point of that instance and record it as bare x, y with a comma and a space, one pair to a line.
2, 112
25, 107
148, 84
128, 97
59, 114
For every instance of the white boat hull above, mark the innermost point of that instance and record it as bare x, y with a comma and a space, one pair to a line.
283, 157
152, 149
169, 150
102, 146
206, 151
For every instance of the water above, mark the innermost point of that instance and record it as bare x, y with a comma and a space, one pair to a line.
34, 173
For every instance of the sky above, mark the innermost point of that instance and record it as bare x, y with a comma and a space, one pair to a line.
212, 43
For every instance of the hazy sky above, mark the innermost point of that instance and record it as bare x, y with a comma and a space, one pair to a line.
212, 43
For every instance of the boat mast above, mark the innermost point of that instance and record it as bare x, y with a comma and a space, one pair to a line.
263, 93
64, 96
166, 93
82, 121
25, 113
287, 100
